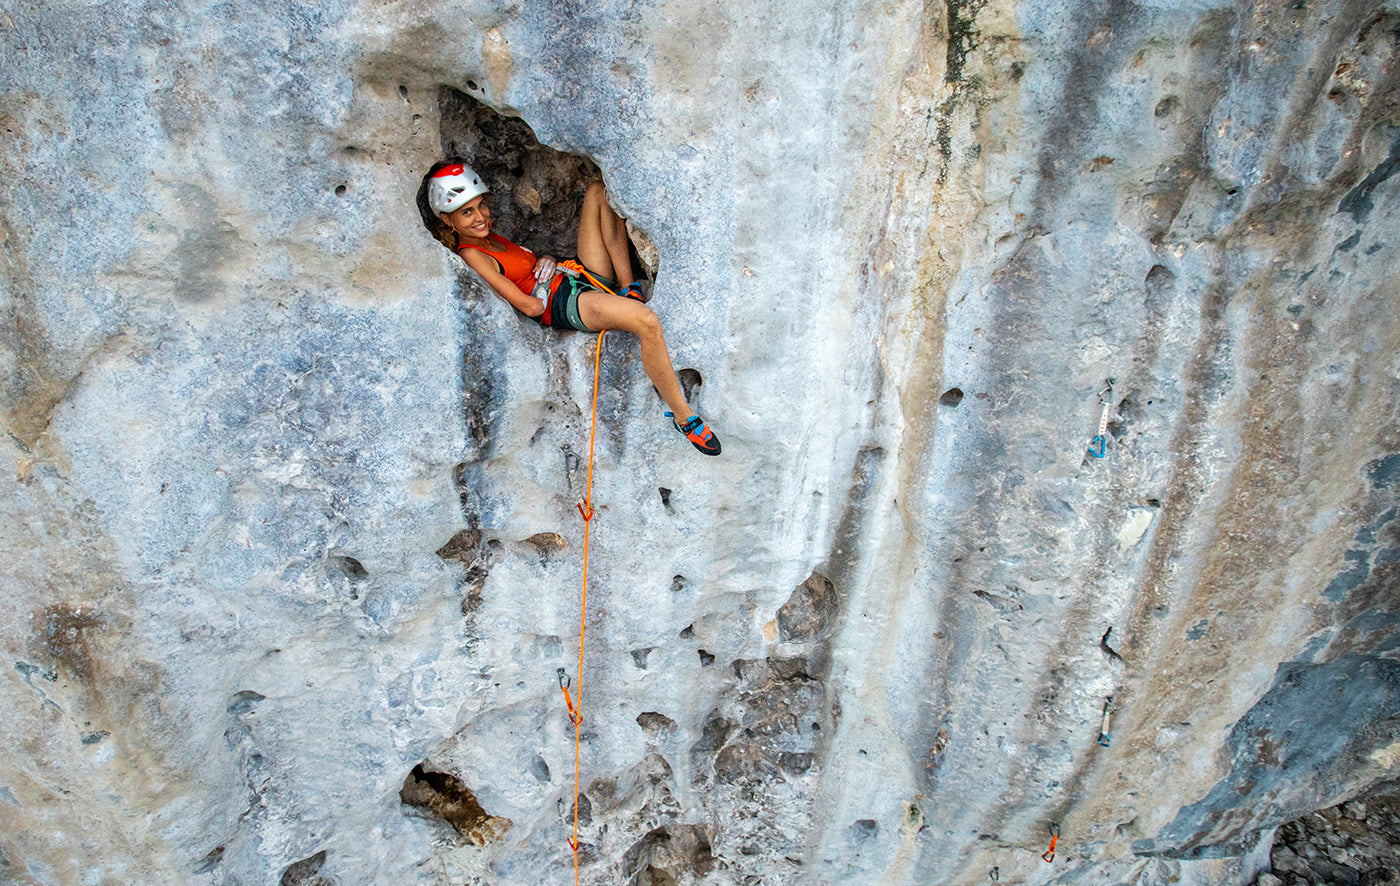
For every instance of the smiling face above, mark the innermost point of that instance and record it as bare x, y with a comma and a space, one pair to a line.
471, 220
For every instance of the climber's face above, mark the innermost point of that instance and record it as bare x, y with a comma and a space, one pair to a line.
471, 220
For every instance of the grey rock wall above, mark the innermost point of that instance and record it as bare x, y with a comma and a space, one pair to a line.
292, 557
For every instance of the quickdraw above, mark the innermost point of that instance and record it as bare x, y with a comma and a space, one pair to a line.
1049, 854
574, 716
1103, 727
1098, 445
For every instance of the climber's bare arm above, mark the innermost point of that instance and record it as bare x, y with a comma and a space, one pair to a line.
487, 270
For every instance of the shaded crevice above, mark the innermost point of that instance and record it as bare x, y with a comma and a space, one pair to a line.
445, 796
668, 855
307, 872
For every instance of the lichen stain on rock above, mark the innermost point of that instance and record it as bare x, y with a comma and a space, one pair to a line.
500, 65
808, 614
66, 634
772, 726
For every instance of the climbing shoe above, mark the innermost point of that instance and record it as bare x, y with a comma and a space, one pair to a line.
698, 433
634, 290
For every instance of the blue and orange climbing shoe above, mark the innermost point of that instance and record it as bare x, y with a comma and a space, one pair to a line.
698, 433
634, 290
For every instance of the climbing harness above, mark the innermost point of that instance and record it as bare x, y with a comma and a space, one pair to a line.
574, 700
1101, 441
576, 269
1049, 854
1103, 727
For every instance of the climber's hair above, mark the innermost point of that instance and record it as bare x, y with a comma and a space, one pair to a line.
441, 232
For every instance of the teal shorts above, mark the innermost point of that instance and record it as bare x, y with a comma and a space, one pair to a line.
561, 311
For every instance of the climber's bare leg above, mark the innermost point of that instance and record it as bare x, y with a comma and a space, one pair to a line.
602, 311
602, 239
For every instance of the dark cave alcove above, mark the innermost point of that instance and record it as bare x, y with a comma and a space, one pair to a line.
536, 192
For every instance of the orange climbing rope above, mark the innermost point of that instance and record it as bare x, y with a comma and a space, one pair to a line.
585, 510
575, 701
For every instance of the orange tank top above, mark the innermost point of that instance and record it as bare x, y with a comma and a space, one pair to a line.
517, 264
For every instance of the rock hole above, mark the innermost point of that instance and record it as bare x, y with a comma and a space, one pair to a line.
687, 632
243, 703
665, 497
445, 796
306, 872
865, 828
651, 721
463, 546
793, 763
547, 544
639, 657
706, 659
539, 769
350, 566
403, 92
668, 853
1165, 107
210, 861
1158, 279
951, 397
585, 810
341, 190
690, 380
654, 876
678, 584
535, 192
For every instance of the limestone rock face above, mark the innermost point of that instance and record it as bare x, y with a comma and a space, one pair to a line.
292, 559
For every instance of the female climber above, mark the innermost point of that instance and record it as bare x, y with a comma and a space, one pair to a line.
569, 295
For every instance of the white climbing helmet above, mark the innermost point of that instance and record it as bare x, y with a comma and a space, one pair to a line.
453, 185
